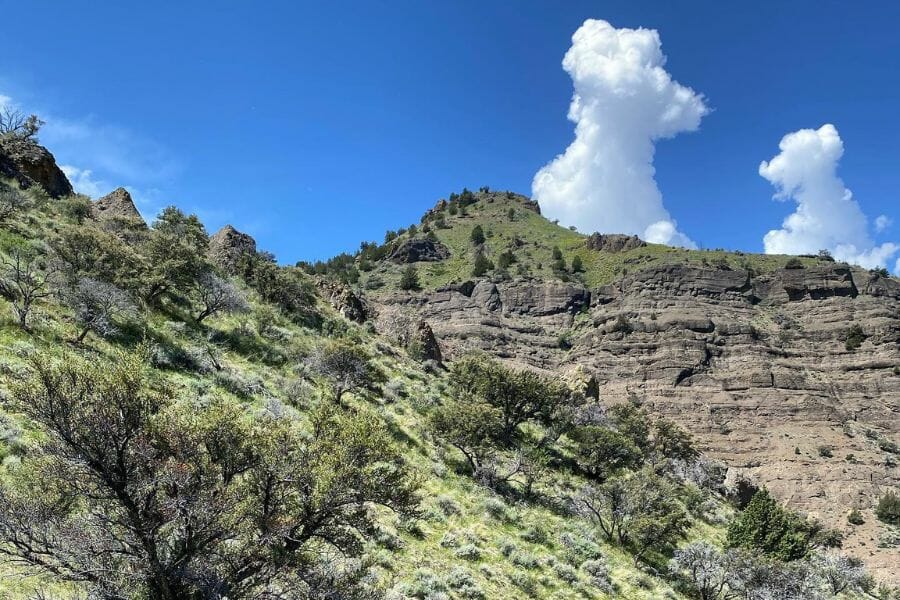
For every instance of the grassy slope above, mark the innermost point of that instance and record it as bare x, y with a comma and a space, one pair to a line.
538, 236
469, 543
517, 544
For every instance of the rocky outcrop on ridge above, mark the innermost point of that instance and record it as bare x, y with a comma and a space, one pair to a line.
31, 164
755, 367
228, 246
117, 205
419, 250
613, 242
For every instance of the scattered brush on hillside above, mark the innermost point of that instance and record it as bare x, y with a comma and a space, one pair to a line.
176, 429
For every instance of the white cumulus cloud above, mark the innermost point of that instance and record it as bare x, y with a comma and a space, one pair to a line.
84, 182
624, 101
882, 222
827, 216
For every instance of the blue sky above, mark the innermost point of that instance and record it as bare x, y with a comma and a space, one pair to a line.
314, 126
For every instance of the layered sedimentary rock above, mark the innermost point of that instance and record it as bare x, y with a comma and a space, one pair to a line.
757, 368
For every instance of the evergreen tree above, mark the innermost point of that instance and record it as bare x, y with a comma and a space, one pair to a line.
409, 280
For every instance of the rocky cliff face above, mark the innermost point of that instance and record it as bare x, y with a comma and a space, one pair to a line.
32, 164
757, 368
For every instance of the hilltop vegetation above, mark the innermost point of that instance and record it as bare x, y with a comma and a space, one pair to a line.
502, 235
178, 426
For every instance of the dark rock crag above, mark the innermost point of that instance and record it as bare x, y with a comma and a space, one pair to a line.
31, 164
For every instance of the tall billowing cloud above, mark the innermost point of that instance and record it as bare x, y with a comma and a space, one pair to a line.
827, 216
624, 101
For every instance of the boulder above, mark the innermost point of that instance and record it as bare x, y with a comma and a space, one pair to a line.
228, 246
419, 250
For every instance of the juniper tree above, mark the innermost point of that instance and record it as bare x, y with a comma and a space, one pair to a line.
409, 279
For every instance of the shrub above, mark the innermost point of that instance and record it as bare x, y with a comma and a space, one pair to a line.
854, 338
461, 580
855, 517
506, 259
409, 280
566, 572
598, 572
477, 235
785, 535
154, 454
577, 265
11, 202
468, 552
97, 305
481, 265
524, 559
825, 451
496, 508
888, 508
448, 505
346, 366
217, 295
794, 263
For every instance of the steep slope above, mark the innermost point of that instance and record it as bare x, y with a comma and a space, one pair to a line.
751, 357
470, 542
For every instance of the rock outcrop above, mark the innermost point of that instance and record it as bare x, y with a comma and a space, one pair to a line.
423, 343
31, 164
419, 250
228, 246
347, 302
755, 367
614, 242
117, 205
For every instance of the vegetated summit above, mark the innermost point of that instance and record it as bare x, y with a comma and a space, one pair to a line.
483, 405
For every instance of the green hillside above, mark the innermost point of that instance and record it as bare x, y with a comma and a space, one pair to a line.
271, 360
511, 225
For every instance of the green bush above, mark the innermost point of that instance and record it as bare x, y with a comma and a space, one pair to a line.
577, 265
477, 235
765, 526
855, 337
888, 508
409, 280
481, 265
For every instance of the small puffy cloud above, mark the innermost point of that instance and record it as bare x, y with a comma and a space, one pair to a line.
623, 103
827, 216
882, 222
83, 181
